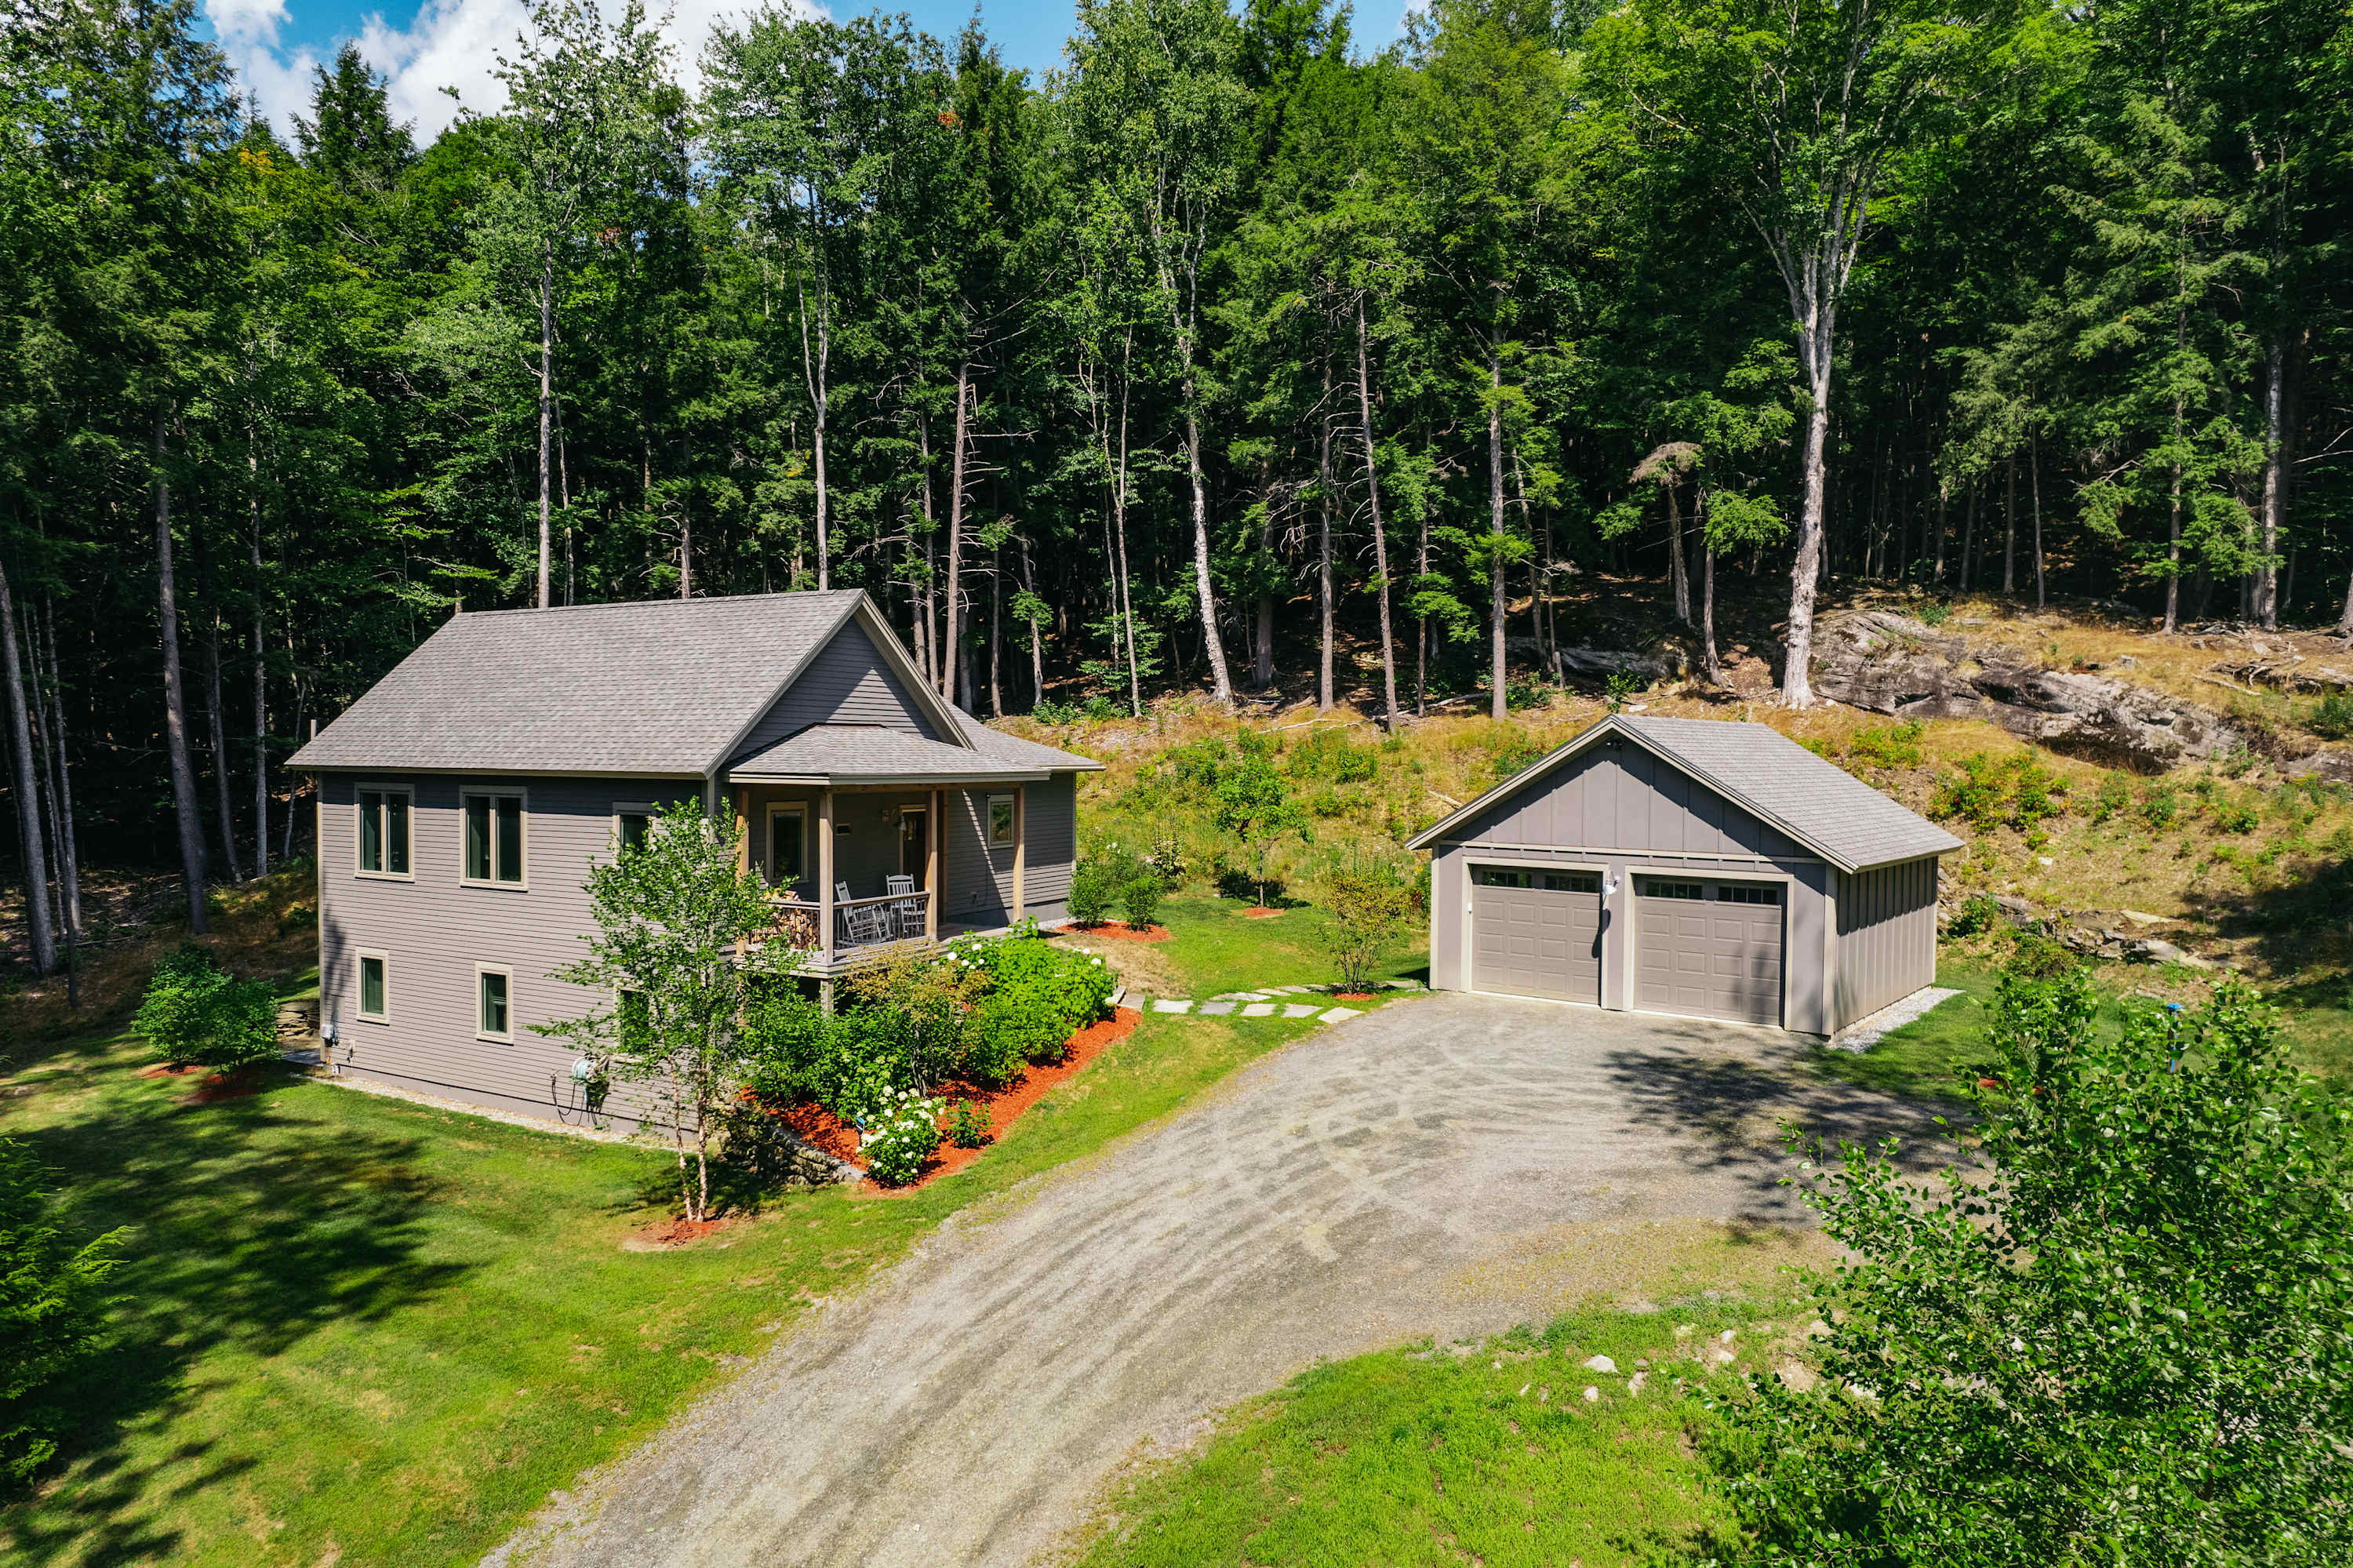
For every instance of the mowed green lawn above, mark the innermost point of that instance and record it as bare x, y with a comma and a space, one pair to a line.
1217, 946
1454, 1454
350, 1326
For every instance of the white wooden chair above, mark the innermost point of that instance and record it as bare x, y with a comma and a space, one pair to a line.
907, 914
863, 923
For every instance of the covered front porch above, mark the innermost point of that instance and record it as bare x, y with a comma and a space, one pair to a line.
859, 866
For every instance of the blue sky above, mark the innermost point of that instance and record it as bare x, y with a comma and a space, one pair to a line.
423, 46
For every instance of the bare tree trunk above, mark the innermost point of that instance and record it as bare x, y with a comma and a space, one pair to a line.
2008, 523
1806, 569
28, 800
1675, 568
816, 354
1037, 647
2035, 464
1324, 548
2279, 432
1380, 533
1707, 612
547, 401
260, 698
220, 750
2173, 542
1968, 534
1220, 683
61, 793
952, 642
1119, 529
1941, 499
1421, 625
176, 703
922, 596
1496, 707
995, 631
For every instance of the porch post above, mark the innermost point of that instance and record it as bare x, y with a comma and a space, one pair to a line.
742, 844
1021, 843
825, 874
932, 869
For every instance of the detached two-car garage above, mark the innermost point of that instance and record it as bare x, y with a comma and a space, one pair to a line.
1694, 867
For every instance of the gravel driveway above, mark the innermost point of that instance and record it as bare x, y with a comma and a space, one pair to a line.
1438, 1167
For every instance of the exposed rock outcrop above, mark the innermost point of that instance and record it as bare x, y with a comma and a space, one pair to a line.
1894, 664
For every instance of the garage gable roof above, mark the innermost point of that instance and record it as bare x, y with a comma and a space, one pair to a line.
1818, 804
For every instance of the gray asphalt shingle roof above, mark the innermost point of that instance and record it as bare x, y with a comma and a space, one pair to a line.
1819, 804
659, 688
861, 752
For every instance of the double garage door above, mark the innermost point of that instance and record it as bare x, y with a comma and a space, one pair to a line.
1702, 947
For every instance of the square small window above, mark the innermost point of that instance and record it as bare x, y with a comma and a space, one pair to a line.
492, 988
372, 1005
631, 826
493, 833
384, 833
1000, 820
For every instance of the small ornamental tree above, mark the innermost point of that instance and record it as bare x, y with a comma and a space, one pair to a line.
1254, 804
49, 1313
2123, 1335
669, 916
1368, 911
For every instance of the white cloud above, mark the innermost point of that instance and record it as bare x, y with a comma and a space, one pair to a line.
449, 44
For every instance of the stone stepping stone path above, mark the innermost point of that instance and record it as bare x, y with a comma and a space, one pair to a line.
1272, 1001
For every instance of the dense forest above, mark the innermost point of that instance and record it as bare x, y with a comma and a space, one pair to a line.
1228, 342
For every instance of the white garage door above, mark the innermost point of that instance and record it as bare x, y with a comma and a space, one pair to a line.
1536, 932
1708, 949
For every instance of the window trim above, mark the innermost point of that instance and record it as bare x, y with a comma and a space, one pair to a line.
522, 823
768, 844
1012, 821
646, 809
360, 957
506, 973
359, 833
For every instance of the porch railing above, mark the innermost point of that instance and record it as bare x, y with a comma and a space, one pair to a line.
857, 922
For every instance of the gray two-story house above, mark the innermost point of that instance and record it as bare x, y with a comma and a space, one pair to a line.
462, 799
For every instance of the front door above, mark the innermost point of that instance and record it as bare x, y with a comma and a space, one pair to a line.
913, 857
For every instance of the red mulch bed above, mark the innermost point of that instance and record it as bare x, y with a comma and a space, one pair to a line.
816, 1125
1121, 931
242, 1083
674, 1232
1257, 914
1352, 996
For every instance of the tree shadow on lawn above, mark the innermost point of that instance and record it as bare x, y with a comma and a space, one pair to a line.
251, 1225
1727, 1117
2296, 926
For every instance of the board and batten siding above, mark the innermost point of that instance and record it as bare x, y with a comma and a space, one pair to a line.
847, 682
1627, 800
435, 931
1886, 937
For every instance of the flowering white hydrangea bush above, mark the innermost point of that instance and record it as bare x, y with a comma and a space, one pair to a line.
902, 1133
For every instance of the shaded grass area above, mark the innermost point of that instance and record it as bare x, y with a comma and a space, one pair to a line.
1921, 1059
354, 1326
1486, 1453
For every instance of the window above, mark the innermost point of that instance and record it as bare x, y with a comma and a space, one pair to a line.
1656, 889
1499, 876
384, 833
631, 823
372, 1008
1572, 882
787, 844
1000, 819
493, 989
494, 838
1747, 893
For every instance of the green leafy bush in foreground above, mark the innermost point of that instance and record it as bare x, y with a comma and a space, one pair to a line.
1038, 995
195, 1012
2125, 1336
49, 1313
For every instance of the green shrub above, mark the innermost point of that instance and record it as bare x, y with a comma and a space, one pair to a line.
2018, 792
2121, 1335
49, 1312
1139, 901
2332, 716
1978, 912
1368, 910
2235, 817
897, 1136
2158, 806
967, 1125
1091, 893
1049, 712
1934, 613
1035, 996
1327, 803
194, 1012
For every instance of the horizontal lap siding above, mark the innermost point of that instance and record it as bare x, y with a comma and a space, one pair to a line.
434, 931
847, 682
1050, 832
979, 879
1886, 937
1626, 799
